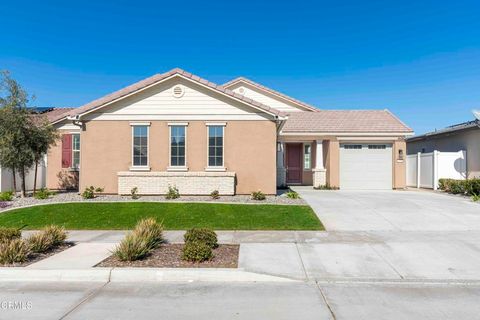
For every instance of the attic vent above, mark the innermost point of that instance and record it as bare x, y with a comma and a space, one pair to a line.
178, 91
241, 90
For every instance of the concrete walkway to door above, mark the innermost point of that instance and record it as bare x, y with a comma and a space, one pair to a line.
392, 210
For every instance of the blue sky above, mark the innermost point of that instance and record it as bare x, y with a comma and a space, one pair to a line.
420, 59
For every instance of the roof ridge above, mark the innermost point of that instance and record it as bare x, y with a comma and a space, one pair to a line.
272, 91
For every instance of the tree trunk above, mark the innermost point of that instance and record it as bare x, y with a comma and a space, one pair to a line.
22, 176
14, 181
35, 178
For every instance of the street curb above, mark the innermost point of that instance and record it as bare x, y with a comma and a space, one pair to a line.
137, 275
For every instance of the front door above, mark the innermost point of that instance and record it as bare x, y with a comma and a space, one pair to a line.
294, 163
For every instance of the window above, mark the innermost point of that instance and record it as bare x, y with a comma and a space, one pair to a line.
307, 156
377, 146
177, 146
75, 150
352, 146
215, 146
140, 146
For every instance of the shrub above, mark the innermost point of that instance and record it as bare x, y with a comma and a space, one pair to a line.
8, 234
292, 195
215, 194
47, 239
467, 187
326, 187
43, 193
150, 231
132, 248
6, 196
258, 195
475, 197
139, 243
134, 193
40, 242
13, 251
197, 252
4, 204
90, 192
207, 236
172, 193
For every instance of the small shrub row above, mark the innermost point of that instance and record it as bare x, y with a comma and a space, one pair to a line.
199, 244
326, 187
8, 234
145, 237
91, 192
43, 193
6, 196
14, 249
470, 187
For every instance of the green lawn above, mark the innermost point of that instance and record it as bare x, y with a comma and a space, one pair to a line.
175, 216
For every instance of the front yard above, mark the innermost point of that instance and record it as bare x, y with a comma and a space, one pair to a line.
175, 216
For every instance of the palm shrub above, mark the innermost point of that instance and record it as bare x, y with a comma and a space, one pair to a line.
207, 236
57, 234
7, 234
13, 251
149, 230
197, 251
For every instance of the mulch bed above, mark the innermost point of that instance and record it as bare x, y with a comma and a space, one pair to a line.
170, 256
35, 257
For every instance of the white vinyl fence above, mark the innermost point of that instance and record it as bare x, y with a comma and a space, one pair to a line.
425, 169
6, 178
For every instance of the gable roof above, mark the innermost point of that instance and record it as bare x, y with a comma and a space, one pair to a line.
143, 84
345, 121
55, 113
450, 129
271, 91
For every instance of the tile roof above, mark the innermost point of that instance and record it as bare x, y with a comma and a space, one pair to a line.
159, 77
262, 87
367, 121
449, 129
56, 113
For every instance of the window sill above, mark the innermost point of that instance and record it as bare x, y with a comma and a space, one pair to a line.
177, 169
215, 169
139, 168
73, 169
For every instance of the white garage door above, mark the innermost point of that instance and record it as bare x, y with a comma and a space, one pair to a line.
365, 166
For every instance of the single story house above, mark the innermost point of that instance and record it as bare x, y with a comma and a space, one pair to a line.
463, 136
177, 129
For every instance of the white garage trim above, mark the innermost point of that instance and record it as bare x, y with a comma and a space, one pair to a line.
366, 166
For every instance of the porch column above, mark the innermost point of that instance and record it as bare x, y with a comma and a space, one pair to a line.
319, 172
281, 171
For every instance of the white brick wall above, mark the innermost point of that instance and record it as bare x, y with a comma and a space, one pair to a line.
188, 183
319, 177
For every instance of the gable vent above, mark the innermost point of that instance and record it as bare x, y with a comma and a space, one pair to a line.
178, 91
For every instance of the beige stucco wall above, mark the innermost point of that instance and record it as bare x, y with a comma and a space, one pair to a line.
58, 178
332, 163
399, 165
250, 151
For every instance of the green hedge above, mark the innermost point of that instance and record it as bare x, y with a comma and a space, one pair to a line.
467, 187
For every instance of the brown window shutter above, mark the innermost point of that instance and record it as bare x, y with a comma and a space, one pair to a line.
66, 151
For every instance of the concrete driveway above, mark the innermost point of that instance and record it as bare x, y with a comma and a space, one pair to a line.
392, 210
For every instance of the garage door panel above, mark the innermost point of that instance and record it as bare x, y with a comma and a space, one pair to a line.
364, 167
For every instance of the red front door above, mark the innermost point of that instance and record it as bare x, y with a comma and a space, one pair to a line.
294, 163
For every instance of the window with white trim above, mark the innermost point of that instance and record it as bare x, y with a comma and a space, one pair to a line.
307, 156
75, 150
140, 146
215, 146
177, 146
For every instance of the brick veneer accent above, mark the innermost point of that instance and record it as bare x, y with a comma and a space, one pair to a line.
188, 183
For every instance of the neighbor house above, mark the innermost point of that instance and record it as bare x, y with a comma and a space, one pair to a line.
177, 129
460, 137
